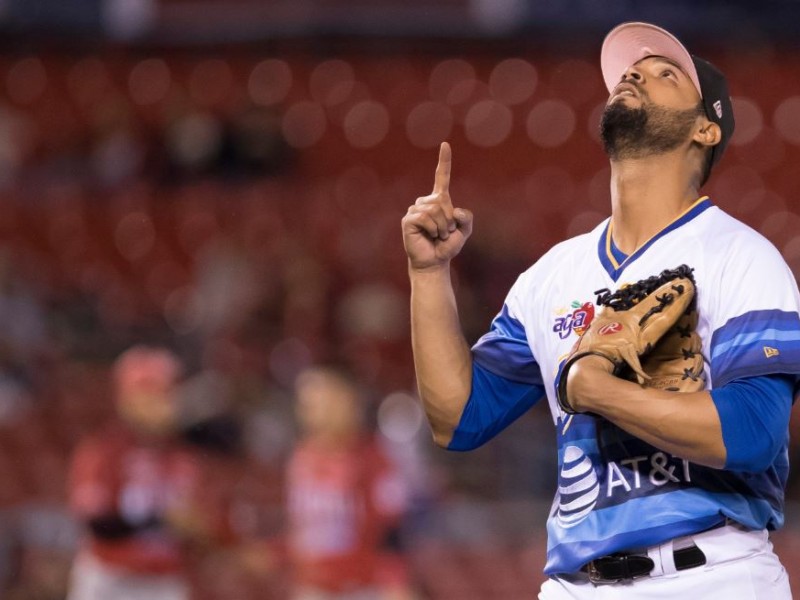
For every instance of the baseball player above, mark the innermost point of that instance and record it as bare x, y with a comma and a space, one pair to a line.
138, 491
661, 494
345, 499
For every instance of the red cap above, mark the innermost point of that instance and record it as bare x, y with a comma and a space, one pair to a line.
146, 367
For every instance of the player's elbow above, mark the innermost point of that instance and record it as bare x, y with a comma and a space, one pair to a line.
443, 427
759, 455
444, 415
754, 417
442, 437
461, 439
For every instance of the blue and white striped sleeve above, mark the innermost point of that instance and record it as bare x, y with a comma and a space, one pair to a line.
756, 329
759, 342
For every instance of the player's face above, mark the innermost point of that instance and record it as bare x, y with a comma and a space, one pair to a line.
152, 410
327, 407
656, 80
653, 110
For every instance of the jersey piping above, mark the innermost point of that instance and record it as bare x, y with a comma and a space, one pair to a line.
605, 246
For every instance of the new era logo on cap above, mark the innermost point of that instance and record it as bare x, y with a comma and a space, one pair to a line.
717, 102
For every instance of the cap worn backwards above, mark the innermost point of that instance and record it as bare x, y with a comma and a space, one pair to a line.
629, 43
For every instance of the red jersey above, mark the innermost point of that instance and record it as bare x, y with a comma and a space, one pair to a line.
116, 474
341, 505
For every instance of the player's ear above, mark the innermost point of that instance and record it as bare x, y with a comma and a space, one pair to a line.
707, 133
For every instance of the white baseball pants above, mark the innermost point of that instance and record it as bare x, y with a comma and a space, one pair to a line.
740, 565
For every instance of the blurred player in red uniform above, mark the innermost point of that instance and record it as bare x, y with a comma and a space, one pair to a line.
136, 490
345, 499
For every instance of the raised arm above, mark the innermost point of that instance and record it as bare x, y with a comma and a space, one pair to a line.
433, 234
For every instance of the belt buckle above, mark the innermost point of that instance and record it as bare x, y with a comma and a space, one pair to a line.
596, 577
624, 567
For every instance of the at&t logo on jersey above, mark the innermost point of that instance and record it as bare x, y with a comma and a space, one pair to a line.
578, 488
577, 320
584, 486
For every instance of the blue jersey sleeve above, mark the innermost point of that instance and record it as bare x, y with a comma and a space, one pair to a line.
754, 414
506, 382
495, 403
504, 351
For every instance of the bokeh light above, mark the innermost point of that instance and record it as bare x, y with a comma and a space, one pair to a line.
429, 123
366, 124
785, 120
749, 120
304, 124
400, 417
149, 81
270, 81
550, 123
513, 81
452, 81
332, 81
488, 123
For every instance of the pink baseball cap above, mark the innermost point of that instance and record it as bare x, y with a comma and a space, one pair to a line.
628, 43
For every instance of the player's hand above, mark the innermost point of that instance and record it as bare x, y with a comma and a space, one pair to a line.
433, 231
585, 378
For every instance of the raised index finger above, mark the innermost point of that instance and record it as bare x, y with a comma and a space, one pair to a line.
441, 183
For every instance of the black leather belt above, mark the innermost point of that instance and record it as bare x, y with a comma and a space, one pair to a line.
622, 567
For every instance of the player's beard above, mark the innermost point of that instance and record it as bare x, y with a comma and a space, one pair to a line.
645, 131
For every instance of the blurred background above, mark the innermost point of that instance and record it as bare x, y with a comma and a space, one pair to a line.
226, 178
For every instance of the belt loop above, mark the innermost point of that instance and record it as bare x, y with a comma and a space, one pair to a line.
654, 553
667, 558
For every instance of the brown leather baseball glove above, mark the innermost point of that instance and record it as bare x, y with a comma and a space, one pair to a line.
676, 363
631, 323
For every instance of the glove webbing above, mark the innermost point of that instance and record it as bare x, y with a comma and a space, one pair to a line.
626, 297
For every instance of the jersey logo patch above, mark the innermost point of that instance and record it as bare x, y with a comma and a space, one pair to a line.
578, 488
577, 320
769, 351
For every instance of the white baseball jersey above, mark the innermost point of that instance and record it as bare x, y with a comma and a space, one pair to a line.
616, 492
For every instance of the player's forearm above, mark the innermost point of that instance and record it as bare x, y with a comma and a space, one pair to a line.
686, 425
442, 357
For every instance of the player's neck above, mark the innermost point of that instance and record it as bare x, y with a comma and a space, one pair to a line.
647, 195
